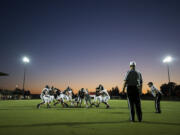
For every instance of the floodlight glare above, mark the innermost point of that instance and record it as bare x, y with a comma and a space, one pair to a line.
167, 59
26, 60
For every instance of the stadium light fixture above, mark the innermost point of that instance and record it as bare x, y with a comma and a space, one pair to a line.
26, 59
167, 59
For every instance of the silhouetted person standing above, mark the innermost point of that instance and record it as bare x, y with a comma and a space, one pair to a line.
133, 82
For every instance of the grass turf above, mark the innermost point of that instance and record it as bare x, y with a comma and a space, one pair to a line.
20, 117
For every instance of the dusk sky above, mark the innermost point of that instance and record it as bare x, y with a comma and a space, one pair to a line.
89, 42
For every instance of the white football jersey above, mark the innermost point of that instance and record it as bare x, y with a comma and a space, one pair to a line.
86, 91
104, 92
154, 91
45, 91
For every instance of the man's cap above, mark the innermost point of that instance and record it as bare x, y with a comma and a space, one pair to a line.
132, 63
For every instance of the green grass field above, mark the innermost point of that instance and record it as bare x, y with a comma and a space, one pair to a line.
20, 117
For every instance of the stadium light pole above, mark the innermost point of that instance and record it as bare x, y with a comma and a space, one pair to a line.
25, 60
167, 60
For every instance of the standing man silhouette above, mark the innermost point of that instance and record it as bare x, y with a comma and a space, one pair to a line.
133, 82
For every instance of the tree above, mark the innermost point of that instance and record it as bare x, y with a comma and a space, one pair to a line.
168, 89
27, 94
171, 85
164, 89
177, 90
114, 91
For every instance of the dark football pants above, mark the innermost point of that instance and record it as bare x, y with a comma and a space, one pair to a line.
157, 103
134, 101
88, 99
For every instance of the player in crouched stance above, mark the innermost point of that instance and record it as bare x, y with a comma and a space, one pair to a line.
84, 94
61, 97
102, 96
80, 97
87, 98
52, 94
69, 95
157, 95
45, 97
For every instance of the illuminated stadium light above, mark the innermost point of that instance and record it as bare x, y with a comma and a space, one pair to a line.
26, 60
167, 59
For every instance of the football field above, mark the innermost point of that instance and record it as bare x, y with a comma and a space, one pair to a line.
20, 117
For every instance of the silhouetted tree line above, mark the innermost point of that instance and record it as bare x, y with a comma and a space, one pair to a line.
116, 94
170, 89
114, 91
14, 94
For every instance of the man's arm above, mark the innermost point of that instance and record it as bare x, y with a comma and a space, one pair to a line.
124, 87
125, 82
140, 83
140, 89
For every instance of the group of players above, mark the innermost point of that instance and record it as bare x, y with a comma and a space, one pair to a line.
67, 98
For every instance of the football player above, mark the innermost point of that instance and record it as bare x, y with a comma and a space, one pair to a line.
102, 96
45, 97
157, 95
61, 97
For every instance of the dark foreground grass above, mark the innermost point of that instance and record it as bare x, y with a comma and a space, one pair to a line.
22, 118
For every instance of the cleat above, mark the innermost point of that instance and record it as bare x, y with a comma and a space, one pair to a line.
38, 106
48, 106
97, 106
107, 107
